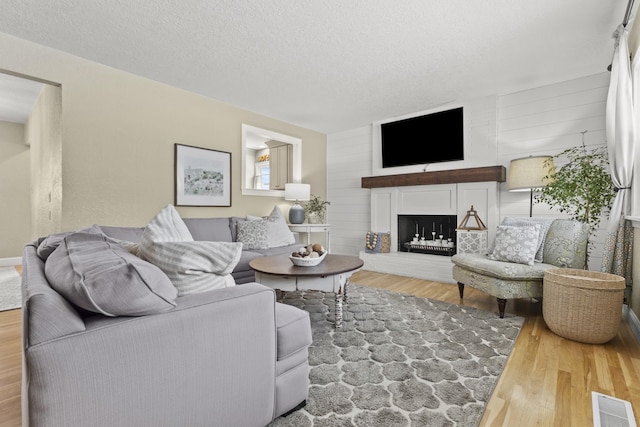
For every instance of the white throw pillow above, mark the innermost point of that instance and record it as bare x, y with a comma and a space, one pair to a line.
516, 244
278, 233
191, 266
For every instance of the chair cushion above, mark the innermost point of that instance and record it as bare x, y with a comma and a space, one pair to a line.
566, 244
482, 264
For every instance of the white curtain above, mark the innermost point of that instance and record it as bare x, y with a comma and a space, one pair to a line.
622, 101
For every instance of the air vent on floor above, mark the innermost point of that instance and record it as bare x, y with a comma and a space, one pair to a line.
609, 411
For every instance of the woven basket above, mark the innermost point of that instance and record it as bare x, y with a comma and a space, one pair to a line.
582, 305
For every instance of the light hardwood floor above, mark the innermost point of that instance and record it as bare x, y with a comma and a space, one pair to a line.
547, 381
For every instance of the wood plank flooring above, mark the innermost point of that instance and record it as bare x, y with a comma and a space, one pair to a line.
547, 381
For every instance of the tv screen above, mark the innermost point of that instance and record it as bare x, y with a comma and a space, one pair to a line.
432, 138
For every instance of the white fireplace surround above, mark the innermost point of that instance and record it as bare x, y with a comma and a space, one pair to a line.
439, 199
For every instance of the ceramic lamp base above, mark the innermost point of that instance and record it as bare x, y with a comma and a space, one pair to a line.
296, 214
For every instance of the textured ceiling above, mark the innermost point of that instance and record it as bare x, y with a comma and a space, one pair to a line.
331, 65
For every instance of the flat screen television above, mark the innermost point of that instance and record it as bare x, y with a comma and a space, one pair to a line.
432, 138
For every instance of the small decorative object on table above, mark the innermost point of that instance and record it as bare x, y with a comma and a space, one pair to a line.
316, 210
308, 256
472, 239
378, 242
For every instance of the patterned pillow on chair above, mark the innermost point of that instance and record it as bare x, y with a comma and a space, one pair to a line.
517, 244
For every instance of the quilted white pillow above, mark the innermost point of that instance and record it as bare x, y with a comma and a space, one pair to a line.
191, 266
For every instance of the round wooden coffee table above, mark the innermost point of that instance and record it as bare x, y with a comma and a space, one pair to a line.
331, 275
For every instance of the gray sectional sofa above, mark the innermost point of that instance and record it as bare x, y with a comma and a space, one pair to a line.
221, 229
227, 357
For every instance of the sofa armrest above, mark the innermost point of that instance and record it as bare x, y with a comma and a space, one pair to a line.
210, 358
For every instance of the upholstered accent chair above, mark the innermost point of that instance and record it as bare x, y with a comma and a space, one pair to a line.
563, 245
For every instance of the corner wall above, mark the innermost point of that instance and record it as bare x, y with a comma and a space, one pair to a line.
543, 120
118, 136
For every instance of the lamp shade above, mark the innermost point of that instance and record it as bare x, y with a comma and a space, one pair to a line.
530, 173
297, 191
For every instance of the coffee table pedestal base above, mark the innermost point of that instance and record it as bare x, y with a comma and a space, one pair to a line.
337, 284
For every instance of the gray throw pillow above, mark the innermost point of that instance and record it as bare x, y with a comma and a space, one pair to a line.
516, 244
253, 234
99, 275
52, 241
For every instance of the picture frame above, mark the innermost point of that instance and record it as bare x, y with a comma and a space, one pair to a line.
202, 176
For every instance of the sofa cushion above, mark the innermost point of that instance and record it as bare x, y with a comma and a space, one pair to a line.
253, 234
128, 234
209, 229
97, 274
193, 267
52, 241
293, 330
516, 244
482, 264
544, 223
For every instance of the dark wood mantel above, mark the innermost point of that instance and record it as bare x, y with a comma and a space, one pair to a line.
453, 176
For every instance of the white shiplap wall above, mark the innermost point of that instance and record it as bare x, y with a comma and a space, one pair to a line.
349, 157
543, 120
547, 120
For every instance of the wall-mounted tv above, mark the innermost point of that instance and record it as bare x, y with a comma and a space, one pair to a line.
432, 138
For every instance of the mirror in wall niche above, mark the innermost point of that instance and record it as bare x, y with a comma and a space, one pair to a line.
269, 160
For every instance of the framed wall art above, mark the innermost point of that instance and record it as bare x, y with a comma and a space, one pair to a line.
203, 176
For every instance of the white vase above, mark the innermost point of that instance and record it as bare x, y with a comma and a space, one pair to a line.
314, 218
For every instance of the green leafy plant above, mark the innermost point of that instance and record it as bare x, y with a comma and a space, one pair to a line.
316, 206
582, 187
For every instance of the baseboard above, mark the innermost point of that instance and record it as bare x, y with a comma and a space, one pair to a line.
633, 321
10, 262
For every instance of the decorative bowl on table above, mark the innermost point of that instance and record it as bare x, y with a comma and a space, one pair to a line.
308, 256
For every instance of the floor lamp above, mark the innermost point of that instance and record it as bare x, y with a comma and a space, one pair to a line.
529, 174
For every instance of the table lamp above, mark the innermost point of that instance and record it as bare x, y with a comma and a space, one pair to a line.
297, 193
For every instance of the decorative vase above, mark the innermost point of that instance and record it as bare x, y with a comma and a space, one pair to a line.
314, 218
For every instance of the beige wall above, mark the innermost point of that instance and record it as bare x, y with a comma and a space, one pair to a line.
118, 136
43, 134
15, 227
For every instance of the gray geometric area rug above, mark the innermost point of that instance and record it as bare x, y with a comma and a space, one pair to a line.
400, 360
10, 292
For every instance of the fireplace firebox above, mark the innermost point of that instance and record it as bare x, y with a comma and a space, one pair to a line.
428, 234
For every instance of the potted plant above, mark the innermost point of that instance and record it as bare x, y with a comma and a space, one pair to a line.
582, 187
316, 210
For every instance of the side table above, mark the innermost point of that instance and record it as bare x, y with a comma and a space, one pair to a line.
313, 228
